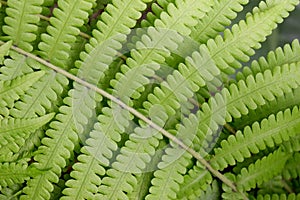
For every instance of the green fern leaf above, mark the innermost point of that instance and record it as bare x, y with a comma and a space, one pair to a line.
143, 64
22, 19
248, 34
286, 55
65, 23
216, 19
14, 173
105, 42
269, 132
195, 182
11, 90
14, 131
14, 66
261, 171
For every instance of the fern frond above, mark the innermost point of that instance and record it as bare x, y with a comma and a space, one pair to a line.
289, 100
14, 132
53, 154
21, 22
290, 53
261, 171
195, 182
270, 132
14, 66
68, 17
14, 173
42, 97
11, 90
248, 34
114, 25
217, 19
165, 184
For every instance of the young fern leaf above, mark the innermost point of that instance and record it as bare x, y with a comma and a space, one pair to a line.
270, 132
22, 22
14, 132
15, 173
65, 23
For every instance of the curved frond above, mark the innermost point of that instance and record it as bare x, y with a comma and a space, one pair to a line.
270, 132
22, 22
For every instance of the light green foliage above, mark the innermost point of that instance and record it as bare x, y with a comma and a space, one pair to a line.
183, 65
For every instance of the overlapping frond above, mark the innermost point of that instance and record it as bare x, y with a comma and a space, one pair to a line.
269, 132
195, 182
22, 22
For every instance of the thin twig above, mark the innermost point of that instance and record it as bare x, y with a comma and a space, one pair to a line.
216, 173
